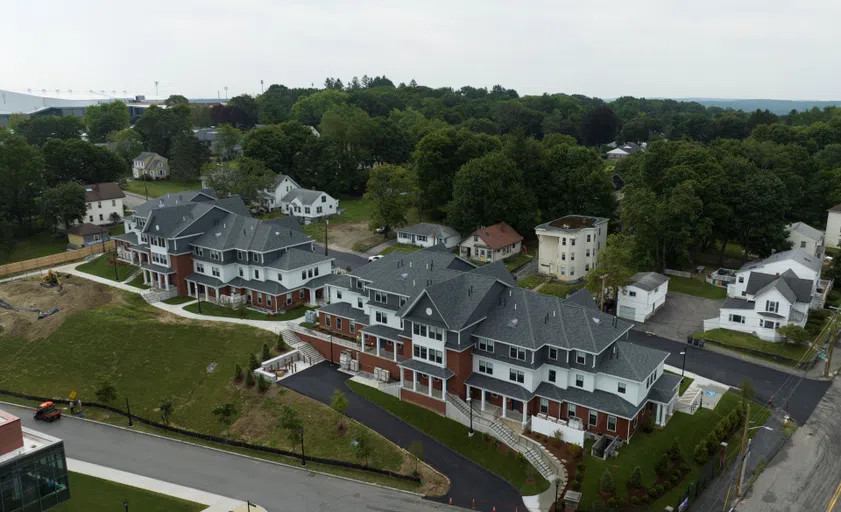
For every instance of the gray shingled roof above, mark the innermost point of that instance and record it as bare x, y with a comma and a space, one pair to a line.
647, 281
737, 303
249, 234
287, 221
759, 281
798, 255
500, 387
320, 281
531, 320
143, 210
384, 332
130, 237
630, 361
345, 310
781, 286
583, 298
461, 300
806, 230
205, 280
157, 268
408, 273
426, 368
496, 270
664, 388
305, 196
430, 230
296, 258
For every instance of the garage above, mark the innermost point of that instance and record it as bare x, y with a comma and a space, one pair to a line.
626, 312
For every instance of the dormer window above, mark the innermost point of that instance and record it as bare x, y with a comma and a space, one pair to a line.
553, 353
581, 358
517, 353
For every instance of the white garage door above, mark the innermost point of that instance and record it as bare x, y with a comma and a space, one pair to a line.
626, 312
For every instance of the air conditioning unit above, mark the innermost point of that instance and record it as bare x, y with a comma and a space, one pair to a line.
385, 374
378, 373
354, 365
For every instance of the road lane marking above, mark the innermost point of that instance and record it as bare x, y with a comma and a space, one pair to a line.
834, 499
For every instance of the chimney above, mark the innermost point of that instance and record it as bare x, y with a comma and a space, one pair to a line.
413, 282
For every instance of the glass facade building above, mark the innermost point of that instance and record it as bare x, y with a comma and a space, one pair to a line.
35, 478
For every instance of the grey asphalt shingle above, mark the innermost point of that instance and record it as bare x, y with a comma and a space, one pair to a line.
500, 387
430, 230
345, 310
664, 388
802, 288
305, 196
798, 255
737, 303
632, 362
806, 230
426, 368
295, 257
647, 281
249, 234
583, 298
385, 332
167, 200
781, 286
498, 271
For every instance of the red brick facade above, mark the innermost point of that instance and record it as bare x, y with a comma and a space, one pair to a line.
367, 362
424, 401
341, 325
183, 267
11, 433
461, 363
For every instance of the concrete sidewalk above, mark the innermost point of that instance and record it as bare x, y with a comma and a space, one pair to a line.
215, 502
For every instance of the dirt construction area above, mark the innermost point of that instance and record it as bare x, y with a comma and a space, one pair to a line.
343, 236
76, 294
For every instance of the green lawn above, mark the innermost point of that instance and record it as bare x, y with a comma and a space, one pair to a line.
733, 250
400, 248
37, 245
531, 281
518, 260
741, 340
697, 287
179, 299
117, 229
454, 435
150, 356
210, 309
137, 282
645, 449
159, 188
103, 266
684, 384
90, 494
560, 289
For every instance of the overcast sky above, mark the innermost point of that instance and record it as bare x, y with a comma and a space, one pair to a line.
779, 49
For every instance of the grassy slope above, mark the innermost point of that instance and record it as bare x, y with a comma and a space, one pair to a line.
738, 340
103, 266
159, 188
522, 475
560, 289
90, 494
645, 449
400, 247
210, 309
179, 299
531, 281
37, 245
692, 286
149, 360
516, 261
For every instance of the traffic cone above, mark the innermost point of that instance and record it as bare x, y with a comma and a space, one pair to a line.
494, 509
474, 504
451, 500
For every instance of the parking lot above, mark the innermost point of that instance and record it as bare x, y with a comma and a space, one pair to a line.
681, 316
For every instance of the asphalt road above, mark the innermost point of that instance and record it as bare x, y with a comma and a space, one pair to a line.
468, 480
797, 396
343, 259
276, 488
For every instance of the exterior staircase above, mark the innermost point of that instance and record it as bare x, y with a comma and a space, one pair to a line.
689, 400
549, 467
306, 350
150, 296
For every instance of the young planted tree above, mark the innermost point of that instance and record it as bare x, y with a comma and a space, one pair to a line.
635, 481
266, 353
281, 343
226, 414
106, 392
363, 447
238, 372
166, 409
339, 403
252, 362
249, 378
263, 383
293, 425
607, 484
415, 449
794, 334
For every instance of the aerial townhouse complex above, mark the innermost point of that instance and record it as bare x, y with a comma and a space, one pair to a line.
448, 330
192, 243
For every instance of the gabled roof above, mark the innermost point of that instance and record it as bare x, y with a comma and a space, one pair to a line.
759, 282
497, 236
305, 196
296, 258
647, 281
737, 303
249, 234
102, 192
462, 299
86, 229
836, 208
430, 230
148, 157
279, 180
188, 196
286, 222
583, 298
781, 286
806, 230
798, 255
498, 271
630, 361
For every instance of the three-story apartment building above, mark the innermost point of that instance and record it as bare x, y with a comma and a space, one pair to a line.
441, 325
569, 246
194, 244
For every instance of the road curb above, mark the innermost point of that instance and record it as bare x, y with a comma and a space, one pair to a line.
257, 459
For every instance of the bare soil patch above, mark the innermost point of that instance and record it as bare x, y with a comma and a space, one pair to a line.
76, 294
342, 236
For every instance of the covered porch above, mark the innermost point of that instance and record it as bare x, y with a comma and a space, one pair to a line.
384, 342
424, 379
158, 278
203, 287
497, 399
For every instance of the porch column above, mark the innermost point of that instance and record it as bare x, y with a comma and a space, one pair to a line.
166, 281
444, 390
414, 381
146, 277
401, 377
504, 406
378, 345
469, 394
429, 380
659, 420
525, 414
394, 344
483, 400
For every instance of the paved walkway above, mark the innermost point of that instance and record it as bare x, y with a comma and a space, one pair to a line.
215, 502
373, 251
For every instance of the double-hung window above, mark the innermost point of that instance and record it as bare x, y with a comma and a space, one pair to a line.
419, 352
611, 423
620, 387
381, 317
486, 367
594, 419
338, 323
516, 375
199, 268
436, 356
436, 333
214, 271
580, 357
571, 411
552, 375
553, 353
486, 345
772, 306
544, 406
517, 353
419, 329
579, 380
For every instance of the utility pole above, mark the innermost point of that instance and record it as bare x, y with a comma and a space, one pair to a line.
601, 294
833, 338
742, 450
156, 89
326, 223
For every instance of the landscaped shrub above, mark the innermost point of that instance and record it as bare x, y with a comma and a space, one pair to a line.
611, 502
701, 454
266, 352
574, 451
623, 501
645, 498
660, 489
662, 465
674, 450
488, 438
579, 475
580, 466
667, 485
576, 485
249, 379
684, 467
252, 362
635, 500
676, 477
635, 481
521, 458
238, 373
607, 484
263, 383
653, 491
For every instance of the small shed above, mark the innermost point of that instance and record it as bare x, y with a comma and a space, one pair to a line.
83, 235
644, 294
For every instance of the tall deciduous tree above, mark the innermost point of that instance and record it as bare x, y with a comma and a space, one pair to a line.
80, 161
617, 262
40, 129
599, 126
128, 144
21, 172
243, 177
391, 192
101, 120
176, 99
188, 155
490, 189
63, 204
229, 139
309, 109
276, 145
158, 127
577, 182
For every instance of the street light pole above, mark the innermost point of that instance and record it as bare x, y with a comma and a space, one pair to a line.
125, 505
128, 409
326, 223
116, 274
470, 403
683, 368
557, 490
331, 344
303, 457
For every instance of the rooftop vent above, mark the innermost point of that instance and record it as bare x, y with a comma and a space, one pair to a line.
596, 321
219, 234
512, 322
157, 227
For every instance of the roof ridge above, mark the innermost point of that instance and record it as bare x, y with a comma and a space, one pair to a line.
563, 323
589, 329
528, 318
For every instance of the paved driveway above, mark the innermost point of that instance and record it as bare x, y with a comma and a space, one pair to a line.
468, 479
681, 316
